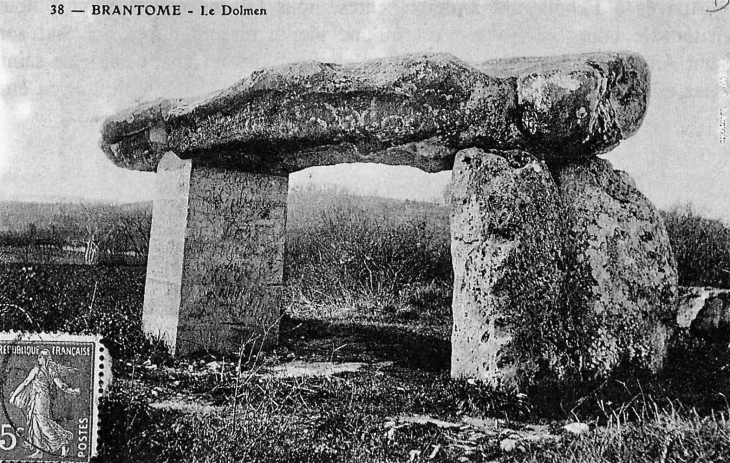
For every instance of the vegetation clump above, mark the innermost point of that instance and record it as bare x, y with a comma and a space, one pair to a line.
701, 247
370, 281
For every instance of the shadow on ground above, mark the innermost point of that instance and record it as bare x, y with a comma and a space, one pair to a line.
344, 341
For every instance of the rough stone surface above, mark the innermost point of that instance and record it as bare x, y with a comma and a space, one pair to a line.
234, 258
713, 320
690, 300
622, 274
506, 240
706, 311
577, 104
562, 272
220, 247
415, 110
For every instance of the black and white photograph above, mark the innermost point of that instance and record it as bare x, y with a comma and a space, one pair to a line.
366, 230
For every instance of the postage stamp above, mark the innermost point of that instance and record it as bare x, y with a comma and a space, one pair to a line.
50, 384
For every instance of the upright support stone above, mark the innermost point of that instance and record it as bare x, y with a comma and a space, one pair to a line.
215, 271
505, 248
623, 276
163, 284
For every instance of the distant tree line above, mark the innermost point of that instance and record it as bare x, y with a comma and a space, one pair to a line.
100, 233
119, 234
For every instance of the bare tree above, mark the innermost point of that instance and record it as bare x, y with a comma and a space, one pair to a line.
97, 232
135, 227
31, 235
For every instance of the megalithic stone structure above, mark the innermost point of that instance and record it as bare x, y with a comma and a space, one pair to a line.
216, 254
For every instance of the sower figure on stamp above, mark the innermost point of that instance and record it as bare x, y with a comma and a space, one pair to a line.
33, 396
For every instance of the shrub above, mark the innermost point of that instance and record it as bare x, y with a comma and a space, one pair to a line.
78, 299
701, 247
343, 248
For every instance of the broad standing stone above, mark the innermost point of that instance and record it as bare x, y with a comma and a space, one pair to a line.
217, 250
623, 278
506, 240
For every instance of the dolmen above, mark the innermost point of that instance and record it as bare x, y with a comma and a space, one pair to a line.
562, 268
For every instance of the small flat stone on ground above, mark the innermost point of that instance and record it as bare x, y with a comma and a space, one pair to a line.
186, 406
300, 368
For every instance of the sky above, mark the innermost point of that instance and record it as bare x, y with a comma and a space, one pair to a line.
61, 75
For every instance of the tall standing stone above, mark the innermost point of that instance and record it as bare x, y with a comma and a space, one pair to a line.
217, 253
163, 284
506, 241
623, 275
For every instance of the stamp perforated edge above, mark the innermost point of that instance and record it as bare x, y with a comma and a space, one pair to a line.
101, 374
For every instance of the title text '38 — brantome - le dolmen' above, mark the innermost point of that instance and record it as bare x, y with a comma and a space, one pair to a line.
562, 267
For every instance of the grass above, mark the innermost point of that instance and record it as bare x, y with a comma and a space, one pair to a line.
647, 433
370, 281
344, 418
78, 299
701, 247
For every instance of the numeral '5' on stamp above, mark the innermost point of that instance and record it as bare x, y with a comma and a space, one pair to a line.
50, 386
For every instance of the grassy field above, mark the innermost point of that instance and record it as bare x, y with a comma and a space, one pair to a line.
369, 282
